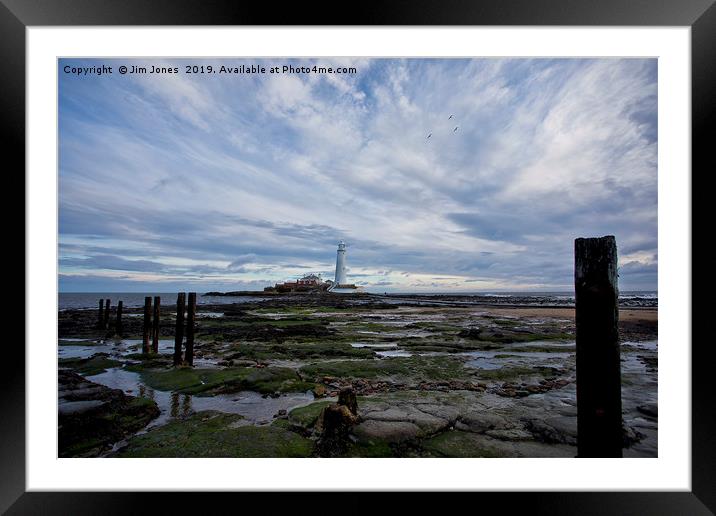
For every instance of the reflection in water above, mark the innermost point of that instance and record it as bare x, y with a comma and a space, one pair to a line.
175, 405
114, 348
186, 408
186, 405
394, 353
251, 405
497, 359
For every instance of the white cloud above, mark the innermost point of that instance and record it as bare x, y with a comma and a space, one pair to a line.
208, 169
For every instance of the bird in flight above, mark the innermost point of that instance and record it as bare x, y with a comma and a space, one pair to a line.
450, 117
454, 130
429, 135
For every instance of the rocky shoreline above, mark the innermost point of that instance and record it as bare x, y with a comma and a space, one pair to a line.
456, 378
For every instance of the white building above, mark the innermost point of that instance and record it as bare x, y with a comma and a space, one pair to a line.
341, 264
341, 285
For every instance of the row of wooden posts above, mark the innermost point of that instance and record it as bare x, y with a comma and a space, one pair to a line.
151, 327
184, 325
103, 319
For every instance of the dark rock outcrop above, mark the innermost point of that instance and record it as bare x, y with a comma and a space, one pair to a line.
93, 417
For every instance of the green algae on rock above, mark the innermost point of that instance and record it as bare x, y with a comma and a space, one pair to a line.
92, 417
215, 434
413, 369
206, 382
306, 417
96, 364
456, 443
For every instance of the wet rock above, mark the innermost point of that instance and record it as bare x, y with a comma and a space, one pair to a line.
534, 389
388, 431
555, 429
92, 417
78, 407
267, 330
641, 423
216, 434
514, 434
482, 421
446, 412
471, 333
319, 391
426, 423
630, 436
465, 444
649, 409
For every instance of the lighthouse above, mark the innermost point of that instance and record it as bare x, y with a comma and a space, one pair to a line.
341, 264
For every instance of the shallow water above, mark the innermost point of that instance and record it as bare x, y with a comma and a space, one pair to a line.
89, 300
82, 351
251, 405
648, 345
111, 347
497, 359
394, 353
374, 344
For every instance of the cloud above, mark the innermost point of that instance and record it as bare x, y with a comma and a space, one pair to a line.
232, 180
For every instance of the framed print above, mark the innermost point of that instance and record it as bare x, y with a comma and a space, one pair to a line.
422, 249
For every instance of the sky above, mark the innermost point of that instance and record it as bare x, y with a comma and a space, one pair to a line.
219, 181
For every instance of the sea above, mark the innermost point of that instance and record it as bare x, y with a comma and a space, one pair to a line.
90, 300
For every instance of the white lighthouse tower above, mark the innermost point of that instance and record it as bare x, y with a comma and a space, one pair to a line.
341, 264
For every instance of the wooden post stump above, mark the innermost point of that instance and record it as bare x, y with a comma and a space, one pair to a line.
599, 402
335, 423
118, 329
347, 398
100, 315
105, 322
190, 317
179, 328
147, 324
155, 325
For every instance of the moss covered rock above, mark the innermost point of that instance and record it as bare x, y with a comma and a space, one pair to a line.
188, 380
215, 434
92, 417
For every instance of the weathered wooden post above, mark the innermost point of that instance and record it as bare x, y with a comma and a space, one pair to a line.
335, 423
179, 328
599, 402
118, 325
100, 315
105, 322
147, 319
190, 317
155, 325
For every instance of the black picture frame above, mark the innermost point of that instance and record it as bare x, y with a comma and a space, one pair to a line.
700, 15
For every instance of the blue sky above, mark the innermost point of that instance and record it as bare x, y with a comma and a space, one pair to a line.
228, 182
